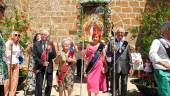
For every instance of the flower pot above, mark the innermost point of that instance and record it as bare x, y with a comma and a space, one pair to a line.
1, 90
145, 90
22, 78
21, 83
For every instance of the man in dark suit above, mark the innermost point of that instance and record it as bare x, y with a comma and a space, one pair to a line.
43, 53
122, 62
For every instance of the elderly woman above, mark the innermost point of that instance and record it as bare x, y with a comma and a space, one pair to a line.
12, 53
67, 57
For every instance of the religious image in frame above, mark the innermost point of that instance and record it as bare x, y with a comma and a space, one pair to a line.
93, 23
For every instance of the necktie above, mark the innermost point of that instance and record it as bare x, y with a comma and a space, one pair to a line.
43, 45
120, 45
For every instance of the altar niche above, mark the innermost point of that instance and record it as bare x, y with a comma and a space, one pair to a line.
95, 19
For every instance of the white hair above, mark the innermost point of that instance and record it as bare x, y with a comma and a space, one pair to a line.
65, 41
45, 31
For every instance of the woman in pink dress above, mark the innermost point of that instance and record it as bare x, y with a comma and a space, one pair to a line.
96, 79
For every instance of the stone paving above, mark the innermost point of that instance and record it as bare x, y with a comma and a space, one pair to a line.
76, 92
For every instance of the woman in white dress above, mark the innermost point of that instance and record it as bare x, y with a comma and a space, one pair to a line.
12, 61
136, 61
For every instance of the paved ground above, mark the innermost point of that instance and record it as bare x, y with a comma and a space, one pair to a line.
132, 90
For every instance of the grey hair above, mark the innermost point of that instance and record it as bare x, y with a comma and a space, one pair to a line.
44, 31
120, 28
65, 41
165, 26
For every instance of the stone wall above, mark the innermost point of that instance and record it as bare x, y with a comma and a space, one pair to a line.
60, 15
127, 13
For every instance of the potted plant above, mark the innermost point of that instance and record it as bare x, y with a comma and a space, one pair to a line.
22, 76
146, 85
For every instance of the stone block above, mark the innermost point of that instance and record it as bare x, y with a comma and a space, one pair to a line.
142, 4
127, 10
68, 19
122, 3
127, 21
135, 22
56, 20
138, 10
134, 3
46, 20
132, 15
116, 9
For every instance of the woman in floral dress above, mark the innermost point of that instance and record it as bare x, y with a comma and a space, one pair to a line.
68, 80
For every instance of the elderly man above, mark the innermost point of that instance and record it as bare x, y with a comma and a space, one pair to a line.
122, 61
160, 56
43, 53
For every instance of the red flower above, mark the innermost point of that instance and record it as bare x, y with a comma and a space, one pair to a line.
142, 75
78, 16
23, 16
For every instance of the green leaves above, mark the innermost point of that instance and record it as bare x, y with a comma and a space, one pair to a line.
17, 21
150, 27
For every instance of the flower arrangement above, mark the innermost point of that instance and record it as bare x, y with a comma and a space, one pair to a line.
147, 80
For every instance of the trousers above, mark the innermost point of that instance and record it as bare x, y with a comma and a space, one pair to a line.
162, 78
39, 83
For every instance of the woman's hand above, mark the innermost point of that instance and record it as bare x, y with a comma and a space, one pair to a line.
85, 75
103, 70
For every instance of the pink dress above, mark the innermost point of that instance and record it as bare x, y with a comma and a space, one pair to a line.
96, 79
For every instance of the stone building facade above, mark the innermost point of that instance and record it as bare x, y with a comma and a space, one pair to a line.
61, 15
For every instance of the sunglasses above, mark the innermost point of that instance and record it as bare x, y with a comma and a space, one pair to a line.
17, 35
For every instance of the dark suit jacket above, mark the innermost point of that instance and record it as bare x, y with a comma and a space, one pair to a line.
123, 63
37, 52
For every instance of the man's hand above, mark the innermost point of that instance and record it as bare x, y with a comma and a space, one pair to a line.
69, 59
131, 71
136, 62
46, 63
166, 65
114, 48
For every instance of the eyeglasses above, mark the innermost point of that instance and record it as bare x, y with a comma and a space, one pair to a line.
17, 35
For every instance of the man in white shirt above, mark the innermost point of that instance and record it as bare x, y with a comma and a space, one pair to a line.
160, 57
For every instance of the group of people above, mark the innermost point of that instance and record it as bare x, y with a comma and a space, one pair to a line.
100, 59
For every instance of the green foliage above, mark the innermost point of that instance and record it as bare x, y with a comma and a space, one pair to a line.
150, 27
18, 21
23, 73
